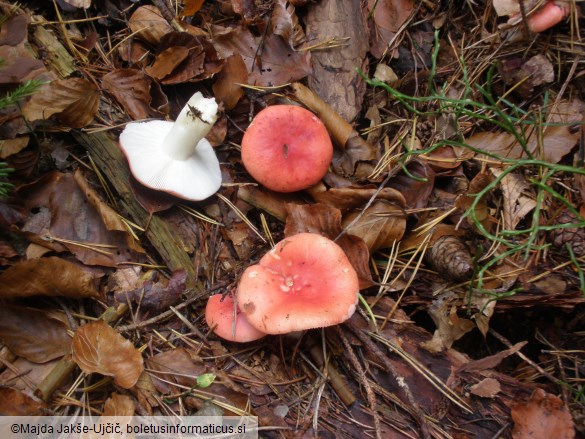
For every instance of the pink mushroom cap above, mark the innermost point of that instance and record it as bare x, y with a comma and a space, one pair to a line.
286, 148
219, 315
548, 16
304, 282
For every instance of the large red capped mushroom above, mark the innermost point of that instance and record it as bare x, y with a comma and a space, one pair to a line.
219, 315
286, 148
304, 282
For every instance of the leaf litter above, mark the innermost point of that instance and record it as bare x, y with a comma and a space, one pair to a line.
455, 191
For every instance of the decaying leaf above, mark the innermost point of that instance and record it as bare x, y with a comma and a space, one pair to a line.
450, 327
486, 388
148, 23
119, 405
50, 276
544, 416
99, 348
387, 18
32, 334
134, 91
379, 225
191, 7
225, 87
517, 202
527, 74
167, 61
285, 23
174, 367
13, 402
154, 293
74, 101
270, 60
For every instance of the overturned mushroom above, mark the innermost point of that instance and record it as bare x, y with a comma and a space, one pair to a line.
175, 157
304, 282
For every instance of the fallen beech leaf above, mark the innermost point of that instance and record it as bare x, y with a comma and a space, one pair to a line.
490, 361
119, 405
355, 197
465, 201
558, 138
50, 276
99, 348
167, 61
226, 88
544, 416
517, 200
387, 18
9, 147
191, 7
132, 89
527, 74
450, 327
415, 192
148, 23
74, 101
285, 23
151, 200
14, 30
486, 388
174, 367
153, 293
379, 226
269, 59
32, 334
13, 402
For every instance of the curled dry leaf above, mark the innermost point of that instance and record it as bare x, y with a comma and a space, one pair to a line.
518, 201
225, 87
13, 402
174, 367
527, 74
99, 348
50, 276
154, 293
416, 192
74, 101
119, 405
379, 225
486, 388
148, 23
355, 197
136, 92
167, 61
32, 334
387, 16
285, 23
544, 416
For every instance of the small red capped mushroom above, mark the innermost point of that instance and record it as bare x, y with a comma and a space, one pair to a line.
304, 282
219, 315
551, 14
286, 148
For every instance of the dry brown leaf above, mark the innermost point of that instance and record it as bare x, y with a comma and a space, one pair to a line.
379, 226
544, 416
60, 204
132, 89
79, 3
9, 147
415, 192
172, 367
99, 348
74, 101
387, 18
558, 138
285, 23
465, 201
154, 293
486, 388
450, 327
167, 61
270, 60
226, 88
149, 24
354, 197
50, 276
490, 361
191, 7
506, 7
527, 74
16, 403
119, 405
32, 334
517, 202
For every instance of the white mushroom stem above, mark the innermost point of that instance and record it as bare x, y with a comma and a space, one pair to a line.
193, 123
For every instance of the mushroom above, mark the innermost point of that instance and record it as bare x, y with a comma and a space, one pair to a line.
551, 14
304, 282
286, 148
175, 157
219, 315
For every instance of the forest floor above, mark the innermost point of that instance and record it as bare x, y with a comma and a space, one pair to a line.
456, 190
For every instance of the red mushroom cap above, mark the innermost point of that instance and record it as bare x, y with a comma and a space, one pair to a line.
286, 148
219, 316
548, 16
304, 282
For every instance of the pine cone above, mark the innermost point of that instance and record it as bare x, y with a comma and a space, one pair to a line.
449, 256
574, 236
